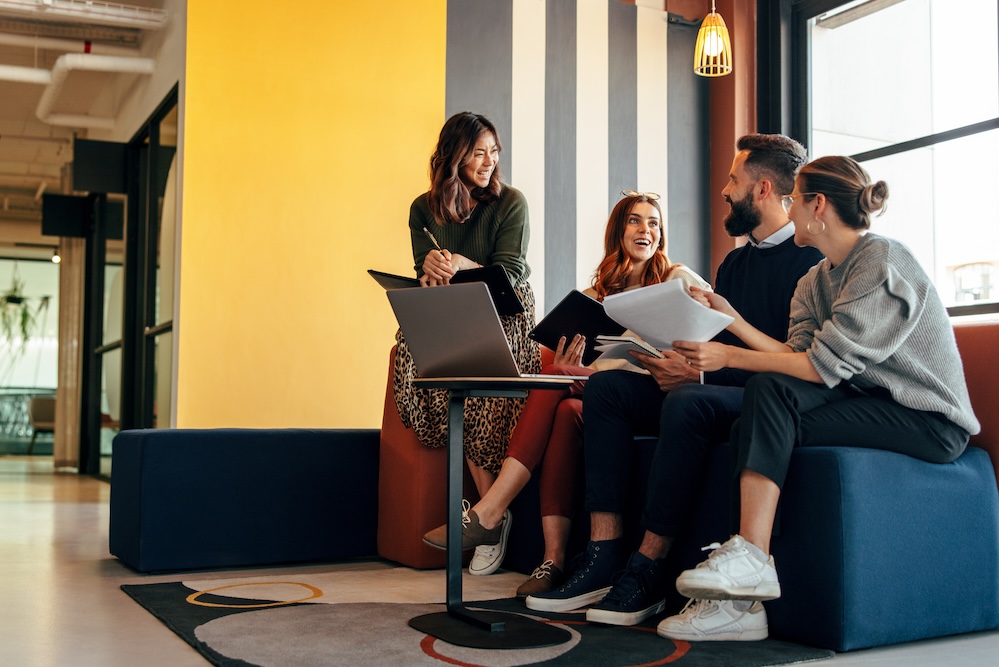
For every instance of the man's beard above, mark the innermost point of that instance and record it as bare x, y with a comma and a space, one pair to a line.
743, 218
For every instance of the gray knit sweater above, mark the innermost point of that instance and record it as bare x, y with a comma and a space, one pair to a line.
876, 320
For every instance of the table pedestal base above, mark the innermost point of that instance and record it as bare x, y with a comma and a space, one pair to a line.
458, 625
490, 630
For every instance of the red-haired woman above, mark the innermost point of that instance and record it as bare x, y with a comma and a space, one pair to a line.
549, 432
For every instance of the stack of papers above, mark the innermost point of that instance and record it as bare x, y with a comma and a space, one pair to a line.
650, 318
663, 313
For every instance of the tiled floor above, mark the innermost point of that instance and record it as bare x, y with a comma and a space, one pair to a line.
62, 605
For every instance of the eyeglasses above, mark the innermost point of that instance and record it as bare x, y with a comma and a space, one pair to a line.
652, 196
788, 200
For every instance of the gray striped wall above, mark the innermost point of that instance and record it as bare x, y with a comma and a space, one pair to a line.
578, 92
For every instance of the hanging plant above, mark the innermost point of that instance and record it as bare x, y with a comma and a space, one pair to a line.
17, 321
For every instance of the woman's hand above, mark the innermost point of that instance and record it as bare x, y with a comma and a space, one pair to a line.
700, 296
437, 268
571, 353
713, 301
462, 263
709, 356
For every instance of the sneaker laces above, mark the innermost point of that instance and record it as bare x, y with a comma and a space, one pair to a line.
579, 565
487, 550
632, 579
544, 570
465, 507
717, 550
693, 608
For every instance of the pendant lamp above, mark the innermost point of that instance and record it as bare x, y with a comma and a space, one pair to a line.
713, 51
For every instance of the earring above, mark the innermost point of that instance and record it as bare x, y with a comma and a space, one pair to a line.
813, 232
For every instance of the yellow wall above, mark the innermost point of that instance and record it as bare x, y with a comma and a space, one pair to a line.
308, 130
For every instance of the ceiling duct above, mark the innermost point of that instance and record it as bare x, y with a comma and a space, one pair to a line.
87, 11
88, 62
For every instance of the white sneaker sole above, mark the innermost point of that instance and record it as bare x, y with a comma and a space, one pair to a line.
691, 635
495, 563
609, 617
710, 589
566, 604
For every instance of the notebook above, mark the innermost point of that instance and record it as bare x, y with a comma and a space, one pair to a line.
506, 300
454, 331
576, 314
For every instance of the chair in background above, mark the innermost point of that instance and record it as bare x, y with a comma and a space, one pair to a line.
41, 416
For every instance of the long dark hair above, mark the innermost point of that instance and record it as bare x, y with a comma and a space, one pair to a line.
612, 274
450, 198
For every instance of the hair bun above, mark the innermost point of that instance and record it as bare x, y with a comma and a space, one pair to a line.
872, 197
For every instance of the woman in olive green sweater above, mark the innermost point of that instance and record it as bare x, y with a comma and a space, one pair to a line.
477, 220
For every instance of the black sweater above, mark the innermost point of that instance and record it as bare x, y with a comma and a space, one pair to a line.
759, 285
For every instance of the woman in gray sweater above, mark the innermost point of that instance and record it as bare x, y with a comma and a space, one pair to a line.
870, 360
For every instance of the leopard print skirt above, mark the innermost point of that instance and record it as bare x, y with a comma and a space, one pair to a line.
489, 421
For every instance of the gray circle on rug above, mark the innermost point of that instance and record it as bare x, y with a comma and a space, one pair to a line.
351, 634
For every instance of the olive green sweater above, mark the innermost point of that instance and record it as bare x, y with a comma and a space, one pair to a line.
495, 233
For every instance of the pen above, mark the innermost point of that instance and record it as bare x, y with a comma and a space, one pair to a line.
433, 240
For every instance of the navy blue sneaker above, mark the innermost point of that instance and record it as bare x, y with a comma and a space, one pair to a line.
587, 581
637, 594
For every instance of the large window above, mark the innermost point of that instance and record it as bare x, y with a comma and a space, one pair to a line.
910, 88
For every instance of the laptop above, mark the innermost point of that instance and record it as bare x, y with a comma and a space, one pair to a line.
454, 331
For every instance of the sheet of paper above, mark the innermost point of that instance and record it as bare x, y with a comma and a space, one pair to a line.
663, 313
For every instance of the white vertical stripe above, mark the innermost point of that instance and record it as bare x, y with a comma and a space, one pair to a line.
652, 148
591, 135
528, 129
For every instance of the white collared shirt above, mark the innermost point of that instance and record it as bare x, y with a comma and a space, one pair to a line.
775, 239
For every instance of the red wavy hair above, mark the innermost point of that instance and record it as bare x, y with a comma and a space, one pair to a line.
614, 270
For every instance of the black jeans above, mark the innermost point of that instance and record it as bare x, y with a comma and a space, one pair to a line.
781, 412
619, 405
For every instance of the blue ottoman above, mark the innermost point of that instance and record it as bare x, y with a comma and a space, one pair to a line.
876, 548
185, 499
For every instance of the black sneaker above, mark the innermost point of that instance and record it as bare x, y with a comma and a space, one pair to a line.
587, 580
637, 594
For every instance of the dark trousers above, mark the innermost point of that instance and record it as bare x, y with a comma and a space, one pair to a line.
780, 412
619, 405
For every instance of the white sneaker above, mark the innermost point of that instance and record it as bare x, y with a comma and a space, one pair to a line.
716, 620
731, 572
488, 557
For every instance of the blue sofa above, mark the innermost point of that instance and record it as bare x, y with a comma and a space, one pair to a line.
871, 547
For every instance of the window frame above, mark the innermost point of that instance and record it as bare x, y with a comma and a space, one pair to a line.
784, 90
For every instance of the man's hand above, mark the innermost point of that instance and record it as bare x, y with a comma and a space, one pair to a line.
669, 372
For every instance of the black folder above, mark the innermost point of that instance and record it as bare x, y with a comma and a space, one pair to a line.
576, 314
494, 276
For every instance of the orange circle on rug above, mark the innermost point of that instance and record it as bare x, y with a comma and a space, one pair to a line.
680, 647
193, 597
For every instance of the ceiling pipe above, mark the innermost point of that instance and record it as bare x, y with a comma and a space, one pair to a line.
85, 62
67, 45
25, 75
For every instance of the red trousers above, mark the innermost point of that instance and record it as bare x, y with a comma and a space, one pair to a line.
549, 434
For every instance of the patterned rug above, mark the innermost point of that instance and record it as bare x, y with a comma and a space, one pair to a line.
329, 619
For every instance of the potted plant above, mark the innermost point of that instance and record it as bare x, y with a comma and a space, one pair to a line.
16, 319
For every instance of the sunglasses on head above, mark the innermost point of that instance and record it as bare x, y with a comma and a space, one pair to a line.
652, 196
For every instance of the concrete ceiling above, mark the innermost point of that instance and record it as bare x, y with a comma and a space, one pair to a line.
35, 152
